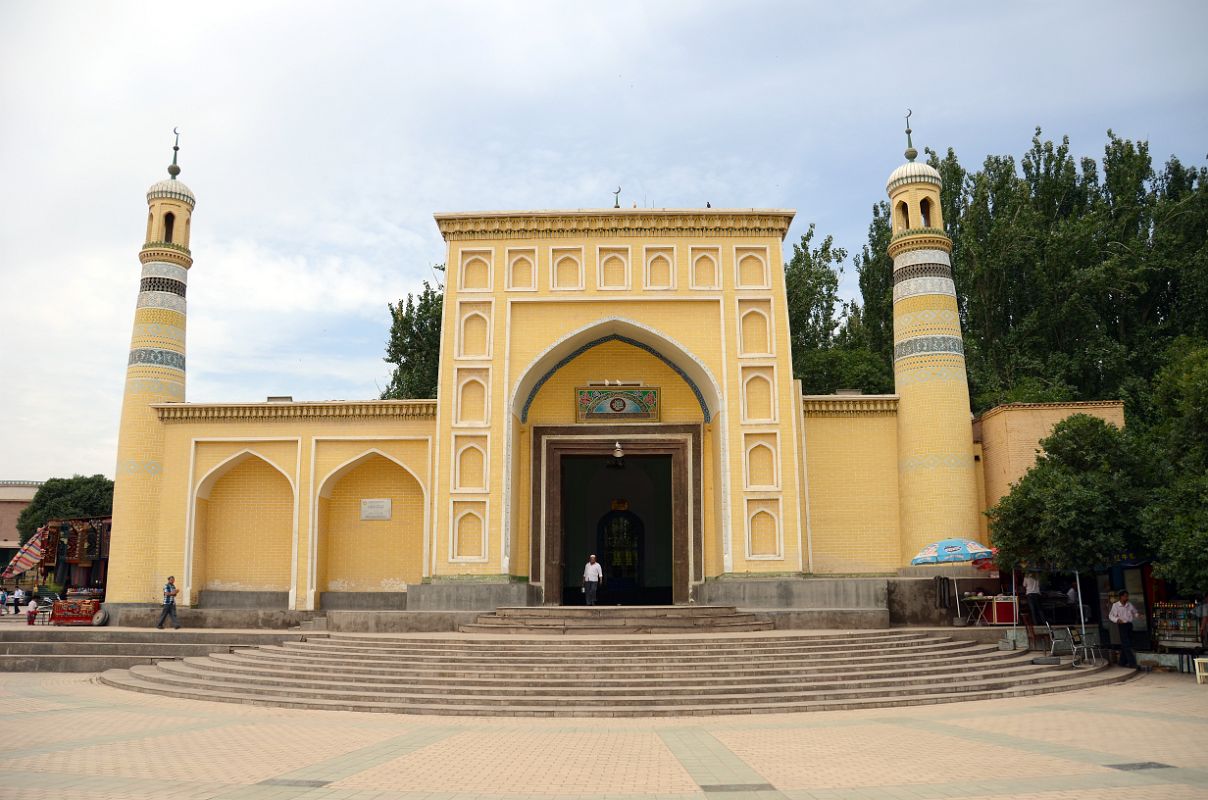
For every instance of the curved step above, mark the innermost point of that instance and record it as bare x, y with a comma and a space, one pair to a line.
1083, 679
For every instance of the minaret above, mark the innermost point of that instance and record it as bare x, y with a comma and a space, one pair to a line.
936, 481
155, 373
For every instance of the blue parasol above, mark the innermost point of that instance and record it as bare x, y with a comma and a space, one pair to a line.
952, 551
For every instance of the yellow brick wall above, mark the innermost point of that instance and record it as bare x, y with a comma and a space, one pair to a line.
853, 492
372, 555
248, 532
1011, 437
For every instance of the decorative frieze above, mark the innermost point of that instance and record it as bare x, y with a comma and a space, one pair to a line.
917, 286
619, 222
156, 357
849, 405
398, 409
922, 256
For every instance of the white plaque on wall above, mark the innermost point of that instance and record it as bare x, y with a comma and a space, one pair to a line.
375, 509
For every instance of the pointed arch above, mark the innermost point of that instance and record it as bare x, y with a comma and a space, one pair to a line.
206, 484
321, 505
691, 369
755, 331
279, 525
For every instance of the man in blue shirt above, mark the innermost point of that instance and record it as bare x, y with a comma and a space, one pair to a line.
169, 604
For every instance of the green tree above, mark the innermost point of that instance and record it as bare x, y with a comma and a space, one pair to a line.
1080, 504
1175, 521
830, 347
64, 498
413, 346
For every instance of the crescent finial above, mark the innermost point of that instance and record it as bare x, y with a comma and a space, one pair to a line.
174, 170
616, 200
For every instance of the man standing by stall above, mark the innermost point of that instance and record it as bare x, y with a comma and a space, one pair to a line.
1123, 614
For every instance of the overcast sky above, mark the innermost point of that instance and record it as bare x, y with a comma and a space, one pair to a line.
319, 139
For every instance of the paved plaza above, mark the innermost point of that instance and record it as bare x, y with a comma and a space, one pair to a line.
68, 737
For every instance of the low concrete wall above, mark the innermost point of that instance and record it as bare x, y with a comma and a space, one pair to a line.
398, 621
816, 593
363, 601
209, 598
470, 596
145, 616
825, 618
912, 600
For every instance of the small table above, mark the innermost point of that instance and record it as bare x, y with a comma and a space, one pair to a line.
990, 610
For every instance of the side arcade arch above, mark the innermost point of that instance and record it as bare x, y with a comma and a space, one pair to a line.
359, 562
242, 530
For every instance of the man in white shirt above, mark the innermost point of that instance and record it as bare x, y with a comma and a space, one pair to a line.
1031, 590
593, 573
1123, 614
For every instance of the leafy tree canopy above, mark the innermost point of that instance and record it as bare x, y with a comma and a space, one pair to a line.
413, 346
1080, 505
64, 498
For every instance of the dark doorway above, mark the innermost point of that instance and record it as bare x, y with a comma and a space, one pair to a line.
622, 513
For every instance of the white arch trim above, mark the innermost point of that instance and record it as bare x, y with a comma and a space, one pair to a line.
332, 478
579, 341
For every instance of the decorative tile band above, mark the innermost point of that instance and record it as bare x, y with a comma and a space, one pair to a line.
616, 337
950, 461
924, 256
172, 389
929, 375
156, 331
921, 271
133, 467
157, 284
167, 300
917, 286
928, 344
162, 269
928, 316
160, 358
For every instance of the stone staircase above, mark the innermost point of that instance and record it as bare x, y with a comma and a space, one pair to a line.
39, 648
615, 676
593, 620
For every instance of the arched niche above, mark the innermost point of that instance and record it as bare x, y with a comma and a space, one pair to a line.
752, 271
761, 466
475, 335
612, 272
764, 540
521, 274
758, 398
704, 271
659, 272
756, 339
475, 273
472, 402
243, 527
469, 542
471, 467
358, 554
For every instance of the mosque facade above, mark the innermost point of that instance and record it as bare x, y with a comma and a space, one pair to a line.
612, 381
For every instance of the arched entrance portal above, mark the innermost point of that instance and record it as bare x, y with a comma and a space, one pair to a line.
576, 487
623, 513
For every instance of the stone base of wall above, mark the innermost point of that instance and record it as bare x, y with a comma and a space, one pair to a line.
795, 592
210, 598
363, 601
471, 595
140, 615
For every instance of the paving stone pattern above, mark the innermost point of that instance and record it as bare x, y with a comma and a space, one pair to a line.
70, 737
